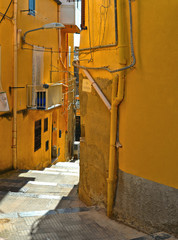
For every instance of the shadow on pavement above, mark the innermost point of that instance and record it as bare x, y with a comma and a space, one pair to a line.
11, 182
60, 223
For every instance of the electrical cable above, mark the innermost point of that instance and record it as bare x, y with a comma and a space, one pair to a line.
6, 11
91, 59
133, 60
7, 17
82, 53
116, 34
106, 15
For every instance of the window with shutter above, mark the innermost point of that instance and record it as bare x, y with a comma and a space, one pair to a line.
32, 7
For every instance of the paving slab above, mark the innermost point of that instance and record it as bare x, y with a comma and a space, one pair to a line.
44, 205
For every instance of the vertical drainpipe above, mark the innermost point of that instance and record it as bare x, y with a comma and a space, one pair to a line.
14, 129
66, 79
112, 178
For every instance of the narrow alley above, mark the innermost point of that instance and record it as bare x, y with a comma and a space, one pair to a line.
88, 120
44, 205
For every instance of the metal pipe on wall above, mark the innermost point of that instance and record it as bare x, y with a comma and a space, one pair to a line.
14, 129
116, 33
112, 175
133, 60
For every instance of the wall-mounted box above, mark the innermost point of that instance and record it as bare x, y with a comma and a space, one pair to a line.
70, 15
44, 96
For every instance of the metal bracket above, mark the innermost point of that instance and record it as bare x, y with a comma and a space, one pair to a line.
10, 88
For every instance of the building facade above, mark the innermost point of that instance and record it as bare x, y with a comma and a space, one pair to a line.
37, 129
129, 114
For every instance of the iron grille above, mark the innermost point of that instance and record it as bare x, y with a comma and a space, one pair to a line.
37, 135
46, 125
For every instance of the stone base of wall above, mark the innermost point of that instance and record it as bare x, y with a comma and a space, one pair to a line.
146, 205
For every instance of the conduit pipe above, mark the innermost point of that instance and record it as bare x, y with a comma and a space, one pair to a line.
112, 176
98, 90
133, 60
116, 34
14, 130
115, 103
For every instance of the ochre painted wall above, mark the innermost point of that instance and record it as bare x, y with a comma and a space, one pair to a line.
6, 40
148, 114
28, 158
5, 144
45, 12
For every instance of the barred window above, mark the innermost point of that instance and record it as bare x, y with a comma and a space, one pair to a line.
37, 135
46, 125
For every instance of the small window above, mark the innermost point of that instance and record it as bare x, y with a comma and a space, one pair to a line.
46, 125
59, 152
32, 7
37, 135
60, 133
47, 145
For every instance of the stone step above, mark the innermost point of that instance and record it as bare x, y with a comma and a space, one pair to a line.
15, 185
73, 170
66, 164
44, 212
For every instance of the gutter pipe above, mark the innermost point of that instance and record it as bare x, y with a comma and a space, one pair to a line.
14, 130
112, 177
116, 34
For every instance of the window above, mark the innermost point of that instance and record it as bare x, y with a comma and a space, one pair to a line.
32, 7
46, 125
60, 133
47, 145
37, 135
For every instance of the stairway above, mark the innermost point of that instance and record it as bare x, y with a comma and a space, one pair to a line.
44, 205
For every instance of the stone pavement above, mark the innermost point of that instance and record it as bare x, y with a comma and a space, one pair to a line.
44, 205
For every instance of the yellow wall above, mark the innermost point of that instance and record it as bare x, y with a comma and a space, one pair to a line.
148, 114
27, 157
6, 37
6, 150
45, 12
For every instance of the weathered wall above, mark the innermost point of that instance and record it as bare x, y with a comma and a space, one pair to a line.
5, 146
138, 199
95, 119
46, 12
27, 157
6, 29
148, 114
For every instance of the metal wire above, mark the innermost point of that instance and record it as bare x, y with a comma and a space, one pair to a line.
133, 61
6, 11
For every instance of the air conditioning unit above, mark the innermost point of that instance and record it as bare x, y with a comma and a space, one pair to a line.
70, 13
49, 96
44, 96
